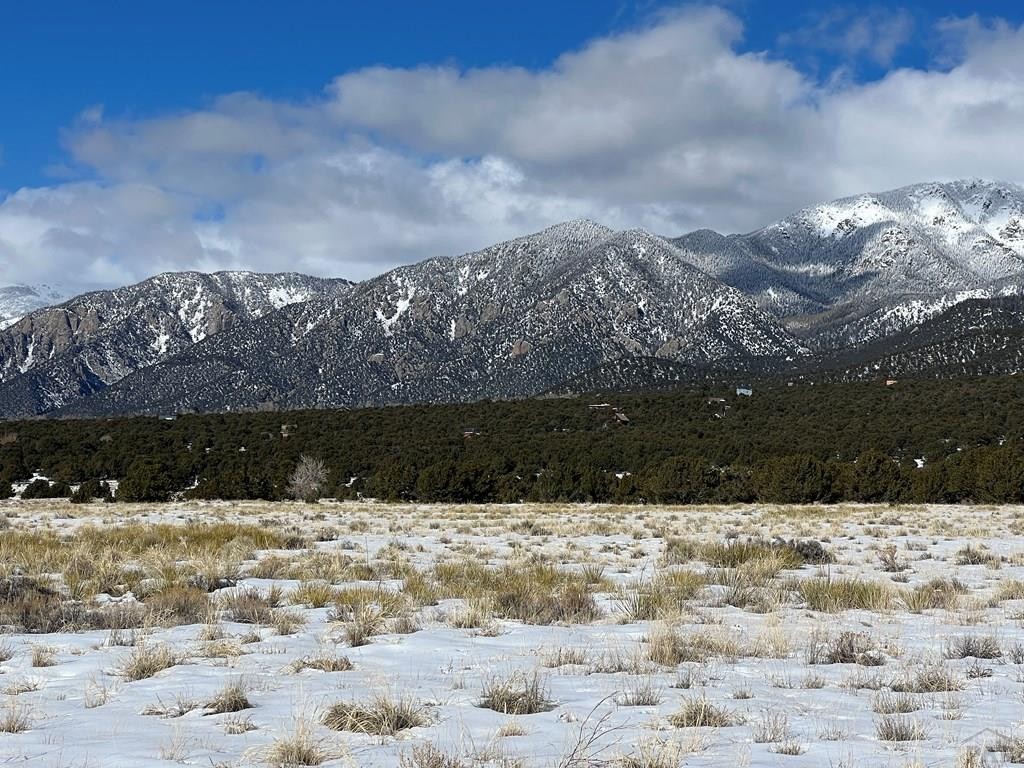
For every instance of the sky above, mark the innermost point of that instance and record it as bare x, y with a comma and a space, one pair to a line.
344, 138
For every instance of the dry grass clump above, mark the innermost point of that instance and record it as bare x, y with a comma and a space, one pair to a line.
973, 646
898, 728
179, 604
383, 716
250, 606
145, 661
652, 753
895, 704
890, 561
286, 621
180, 706
314, 594
324, 662
1011, 589
43, 656
790, 554
15, 718
773, 727
669, 647
92, 557
846, 648
23, 685
233, 697
930, 678
639, 693
680, 551
834, 595
1010, 746
477, 613
938, 593
972, 555
701, 713
419, 589
365, 622
518, 694
564, 657
532, 592
662, 597
299, 748
428, 756
32, 605
566, 603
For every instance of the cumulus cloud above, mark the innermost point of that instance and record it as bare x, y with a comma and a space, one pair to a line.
670, 126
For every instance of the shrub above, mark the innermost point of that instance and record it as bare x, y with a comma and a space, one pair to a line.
91, 490
43, 489
308, 480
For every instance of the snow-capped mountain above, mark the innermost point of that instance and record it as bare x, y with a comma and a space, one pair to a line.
54, 355
923, 280
509, 321
860, 268
16, 301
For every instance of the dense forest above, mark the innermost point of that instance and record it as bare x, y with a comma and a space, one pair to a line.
944, 441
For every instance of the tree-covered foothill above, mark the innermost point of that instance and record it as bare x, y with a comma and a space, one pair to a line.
940, 440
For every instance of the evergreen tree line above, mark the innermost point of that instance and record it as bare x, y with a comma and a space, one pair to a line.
929, 441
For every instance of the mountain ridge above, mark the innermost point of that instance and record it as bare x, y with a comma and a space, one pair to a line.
827, 284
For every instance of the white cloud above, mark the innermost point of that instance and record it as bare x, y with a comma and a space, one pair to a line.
876, 33
668, 126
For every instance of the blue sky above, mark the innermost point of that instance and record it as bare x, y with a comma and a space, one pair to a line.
142, 59
194, 116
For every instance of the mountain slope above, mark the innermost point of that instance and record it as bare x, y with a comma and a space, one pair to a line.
16, 301
863, 267
509, 321
57, 354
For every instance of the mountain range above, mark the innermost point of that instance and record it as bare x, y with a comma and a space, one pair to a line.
923, 280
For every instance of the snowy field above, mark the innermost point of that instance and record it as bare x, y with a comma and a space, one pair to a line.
445, 636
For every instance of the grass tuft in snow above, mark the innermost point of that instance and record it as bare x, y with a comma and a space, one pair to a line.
382, 716
518, 694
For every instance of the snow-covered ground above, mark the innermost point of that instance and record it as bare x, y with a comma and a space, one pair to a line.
742, 642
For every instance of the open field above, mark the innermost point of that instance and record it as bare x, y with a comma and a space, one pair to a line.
242, 634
